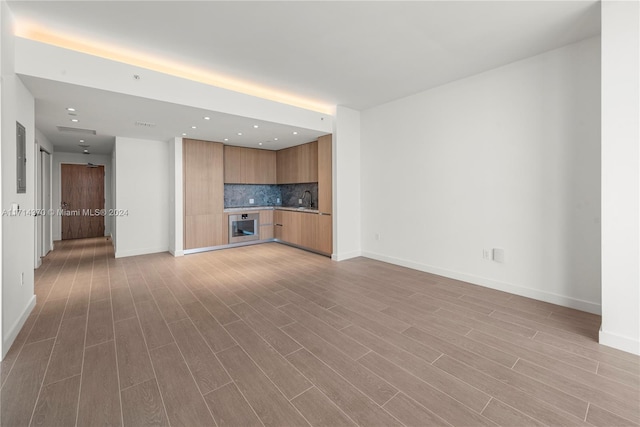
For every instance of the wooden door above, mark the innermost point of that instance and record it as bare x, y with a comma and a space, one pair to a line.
82, 201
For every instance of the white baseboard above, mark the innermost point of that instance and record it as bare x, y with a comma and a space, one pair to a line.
627, 344
15, 329
549, 297
143, 251
176, 253
346, 255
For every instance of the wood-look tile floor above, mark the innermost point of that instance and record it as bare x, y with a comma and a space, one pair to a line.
271, 335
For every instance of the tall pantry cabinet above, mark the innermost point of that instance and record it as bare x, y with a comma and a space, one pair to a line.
203, 181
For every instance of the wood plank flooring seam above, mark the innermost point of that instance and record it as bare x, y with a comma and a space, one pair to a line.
192, 376
389, 399
219, 387
589, 402
262, 370
115, 346
352, 385
341, 376
155, 376
487, 404
44, 375
49, 360
433, 386
302, 392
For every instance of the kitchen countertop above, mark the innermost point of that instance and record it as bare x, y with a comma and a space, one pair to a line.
266, 208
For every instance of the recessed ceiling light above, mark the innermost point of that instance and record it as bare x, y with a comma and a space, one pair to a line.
226, 139
207, 118
295, 133
275, 139
259, 143
75, 120
71, 109
184, 134
82, 140
193, 127
86, 151
256, 126
239, 133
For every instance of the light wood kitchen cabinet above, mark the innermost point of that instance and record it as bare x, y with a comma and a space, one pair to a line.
325, 234
304, 229
266, 224
297, 164
249, 165
287, 226
204, 224
324, 174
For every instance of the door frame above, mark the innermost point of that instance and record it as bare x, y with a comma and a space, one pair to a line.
46, 241
39, 203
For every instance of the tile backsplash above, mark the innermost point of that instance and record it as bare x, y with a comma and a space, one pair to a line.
292, 192
238, 195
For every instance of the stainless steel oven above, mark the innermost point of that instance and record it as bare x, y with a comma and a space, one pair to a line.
244, 227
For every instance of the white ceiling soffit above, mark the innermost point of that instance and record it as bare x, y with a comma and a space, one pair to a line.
357, 54
112, 114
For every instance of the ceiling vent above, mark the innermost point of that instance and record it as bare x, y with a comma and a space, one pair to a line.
145, 124
76, 130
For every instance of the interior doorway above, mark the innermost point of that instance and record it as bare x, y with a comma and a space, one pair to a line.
82, 201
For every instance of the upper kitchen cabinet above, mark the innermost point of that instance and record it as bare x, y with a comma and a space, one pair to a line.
249, 165
203, 194
324, 174
298, 164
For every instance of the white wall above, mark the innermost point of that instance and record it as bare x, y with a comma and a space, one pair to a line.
18, 235
620, 176
79, 158
508, 159
346, 184
142, 189
176, 209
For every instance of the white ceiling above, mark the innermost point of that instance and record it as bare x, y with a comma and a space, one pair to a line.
357, 54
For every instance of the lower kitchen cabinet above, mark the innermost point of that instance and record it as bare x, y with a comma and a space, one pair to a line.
325, 234
266, 224
304, 229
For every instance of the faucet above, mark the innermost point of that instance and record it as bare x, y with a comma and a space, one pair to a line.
310, 197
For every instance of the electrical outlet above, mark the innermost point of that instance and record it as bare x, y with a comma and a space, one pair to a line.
498, 255
277, 199
251, 201
299, 201
487, 254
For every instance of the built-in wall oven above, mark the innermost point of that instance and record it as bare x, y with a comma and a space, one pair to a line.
244, 227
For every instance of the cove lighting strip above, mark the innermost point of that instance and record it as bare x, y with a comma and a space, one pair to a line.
117, 53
